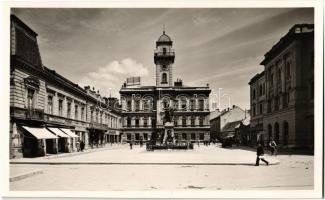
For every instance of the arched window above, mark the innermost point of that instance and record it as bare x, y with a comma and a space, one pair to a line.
164, 78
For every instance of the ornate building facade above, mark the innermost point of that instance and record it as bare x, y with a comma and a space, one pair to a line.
144, 107
49, 113
284, 110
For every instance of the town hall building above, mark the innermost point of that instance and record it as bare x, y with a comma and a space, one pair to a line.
149, 111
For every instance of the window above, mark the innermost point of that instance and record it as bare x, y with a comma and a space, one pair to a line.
137, 122
192, 136
50, 104
145, 136
91, 116
137, 136
164, 51
147, 104
76, 112
30, 98
271, 79
69, 110
175, 121
254, 110
254, 93
261, 108
192, 104
183, 104
201, 136
201, 105
164, 67
260, 90
137, 105
128, 136
192, 121
184, 136
201, 121
145, 122
60, 107
101, 117
184, 121
176, 104
288, 70
164, 78
128, 122
82, 113
96, 116
129, 106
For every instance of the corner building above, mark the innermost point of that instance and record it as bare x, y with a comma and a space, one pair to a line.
143, 107
49, 113
282, 96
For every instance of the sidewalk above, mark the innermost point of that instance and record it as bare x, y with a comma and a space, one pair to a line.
203, 155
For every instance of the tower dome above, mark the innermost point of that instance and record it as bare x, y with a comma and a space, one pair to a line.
164, 38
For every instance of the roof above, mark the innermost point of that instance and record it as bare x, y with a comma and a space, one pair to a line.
164, 38
294, 32
256, 77
231, 126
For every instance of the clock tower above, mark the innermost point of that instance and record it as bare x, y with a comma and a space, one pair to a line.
164, 57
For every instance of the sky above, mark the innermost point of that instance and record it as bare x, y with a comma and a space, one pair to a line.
219, 46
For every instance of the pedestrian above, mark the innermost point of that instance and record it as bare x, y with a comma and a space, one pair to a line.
82, 146
131, 145
260, 155
272, 145
78, 145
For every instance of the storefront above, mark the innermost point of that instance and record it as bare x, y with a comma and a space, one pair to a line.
38, 141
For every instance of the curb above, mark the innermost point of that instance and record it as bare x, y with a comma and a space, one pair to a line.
133, 163
25, 175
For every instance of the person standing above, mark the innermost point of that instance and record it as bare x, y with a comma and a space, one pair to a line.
82, 146
260, 155
272, 145
131, 144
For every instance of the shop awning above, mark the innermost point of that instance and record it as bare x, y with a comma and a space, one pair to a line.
58, 132
69, 132
40, 133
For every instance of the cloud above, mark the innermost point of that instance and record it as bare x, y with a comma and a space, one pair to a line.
110, 77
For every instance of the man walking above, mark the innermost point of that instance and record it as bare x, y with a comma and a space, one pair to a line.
260, 155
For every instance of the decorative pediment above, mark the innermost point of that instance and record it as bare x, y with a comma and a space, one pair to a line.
32, 82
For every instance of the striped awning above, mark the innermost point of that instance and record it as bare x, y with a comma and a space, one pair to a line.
40, 133
58, 132
69, 132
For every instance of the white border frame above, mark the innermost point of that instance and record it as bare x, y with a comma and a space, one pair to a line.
318, 101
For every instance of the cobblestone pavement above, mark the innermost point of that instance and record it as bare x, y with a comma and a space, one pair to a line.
293, 172
201, 155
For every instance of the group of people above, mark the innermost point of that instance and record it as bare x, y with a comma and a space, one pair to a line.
80, 145
260, 152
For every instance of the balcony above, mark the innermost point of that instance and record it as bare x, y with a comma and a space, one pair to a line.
35, 114
166, 54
